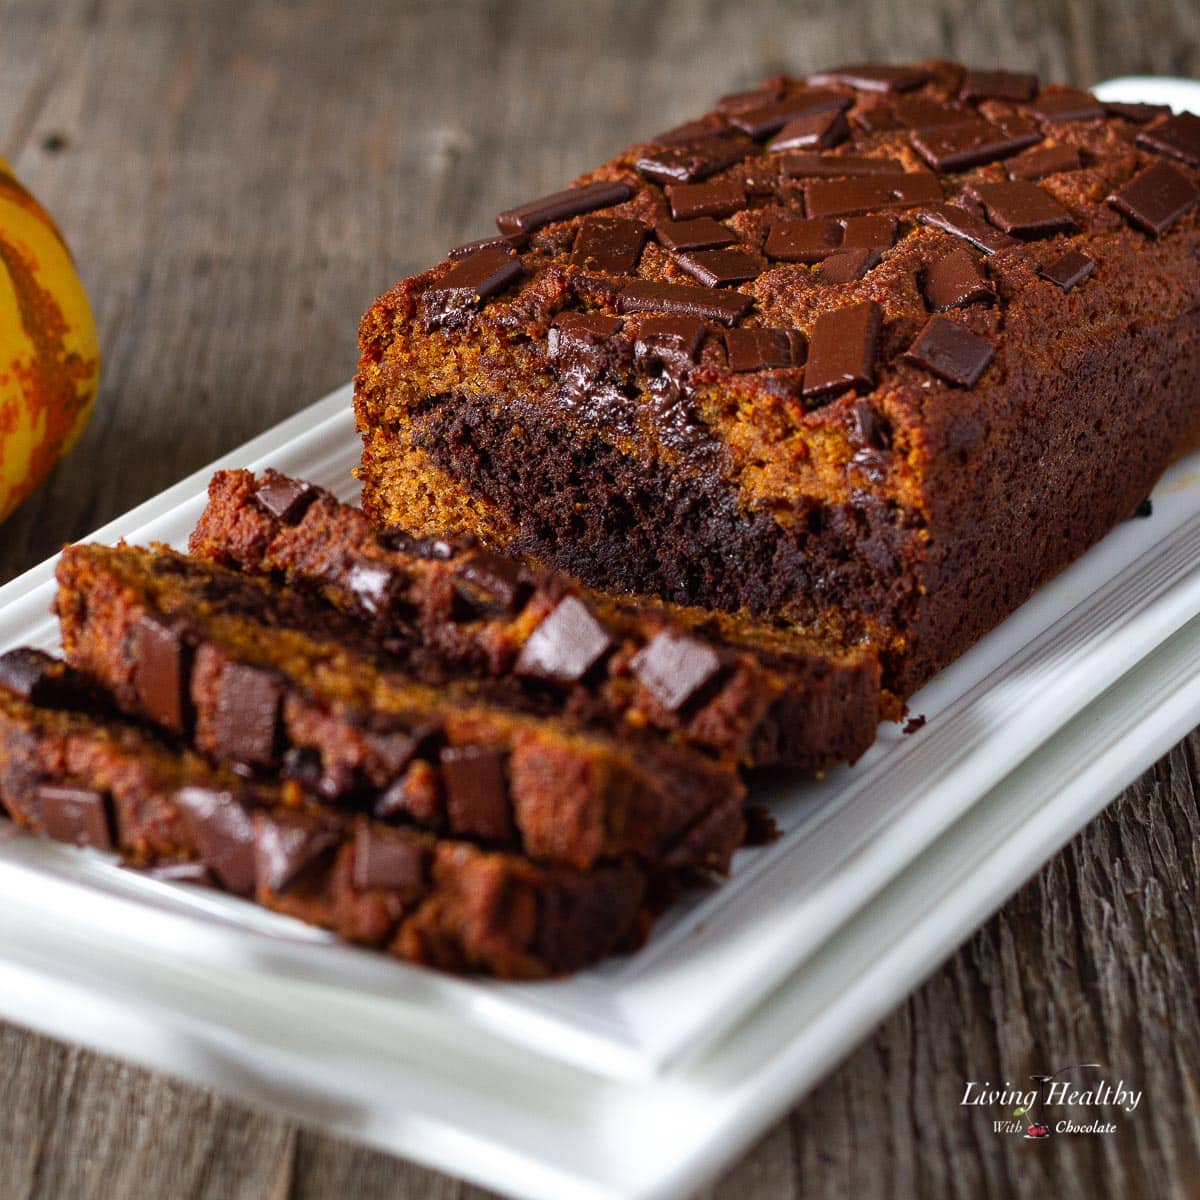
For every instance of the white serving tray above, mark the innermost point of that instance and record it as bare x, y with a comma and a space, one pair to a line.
637, 1077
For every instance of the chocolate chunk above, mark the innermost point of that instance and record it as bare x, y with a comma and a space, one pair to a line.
1069, 270
846, 197
922, 113
951, 351
871, 429
703, 233
877, 118
44, 681
644, 296
393, 861
285, 845
848, 265
837, 166
477, 792
79, 815
955, 280
490, 583
1023, 209
998, 85
767, 118
814, 131
609, 244
566, 645
404, 542
1037, 164
1067, 104
194, 873
1145, 509
767, 93
958, 147
1154, 199
675, 669
375, 586
967, 226
468, 283
802, 240
1177, 137
691, 162
762, 349
222, 833
718, 198
525, 218
715, 268
498, 241
666, 346
841, 350
690, 131
1138, 114
287, 500
578, 343
247, 726
871, 233
162, 672
870, 77
396, 743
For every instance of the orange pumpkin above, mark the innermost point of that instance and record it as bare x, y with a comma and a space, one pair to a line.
49, 359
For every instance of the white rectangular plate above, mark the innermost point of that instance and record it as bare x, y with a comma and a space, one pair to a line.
631, 1078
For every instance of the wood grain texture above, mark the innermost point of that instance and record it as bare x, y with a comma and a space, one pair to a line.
238, 179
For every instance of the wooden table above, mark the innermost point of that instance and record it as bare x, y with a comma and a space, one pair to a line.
238, 180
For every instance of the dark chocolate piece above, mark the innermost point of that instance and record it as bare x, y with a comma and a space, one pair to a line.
477, 792
393, 861
1037, 164
525, 218
998, 85
671, 337
847, 197
1023, 209
1138, 114
1067, 104
922, 113
490, 583
765, 119
848, 265
248, 714
837, 166
41, 679
79, 815
718, 198
675, 669
375, 586
813, 131
716, 268
1144, 510
1154, 199
955, 280
951, 351
702, 233
690, 131
287, 500
967, 226
610, 244
841, 350
957, 147
468, 283
566, 645
802, 240
497, 241
876, 232
872, 430
691, 162
766, 93
644, 296
581, 334
760, 349
162, 672
284, 845
872, 77
1069, 270
223, 834
1177, 137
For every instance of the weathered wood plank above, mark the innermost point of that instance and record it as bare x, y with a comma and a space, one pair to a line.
238, 179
